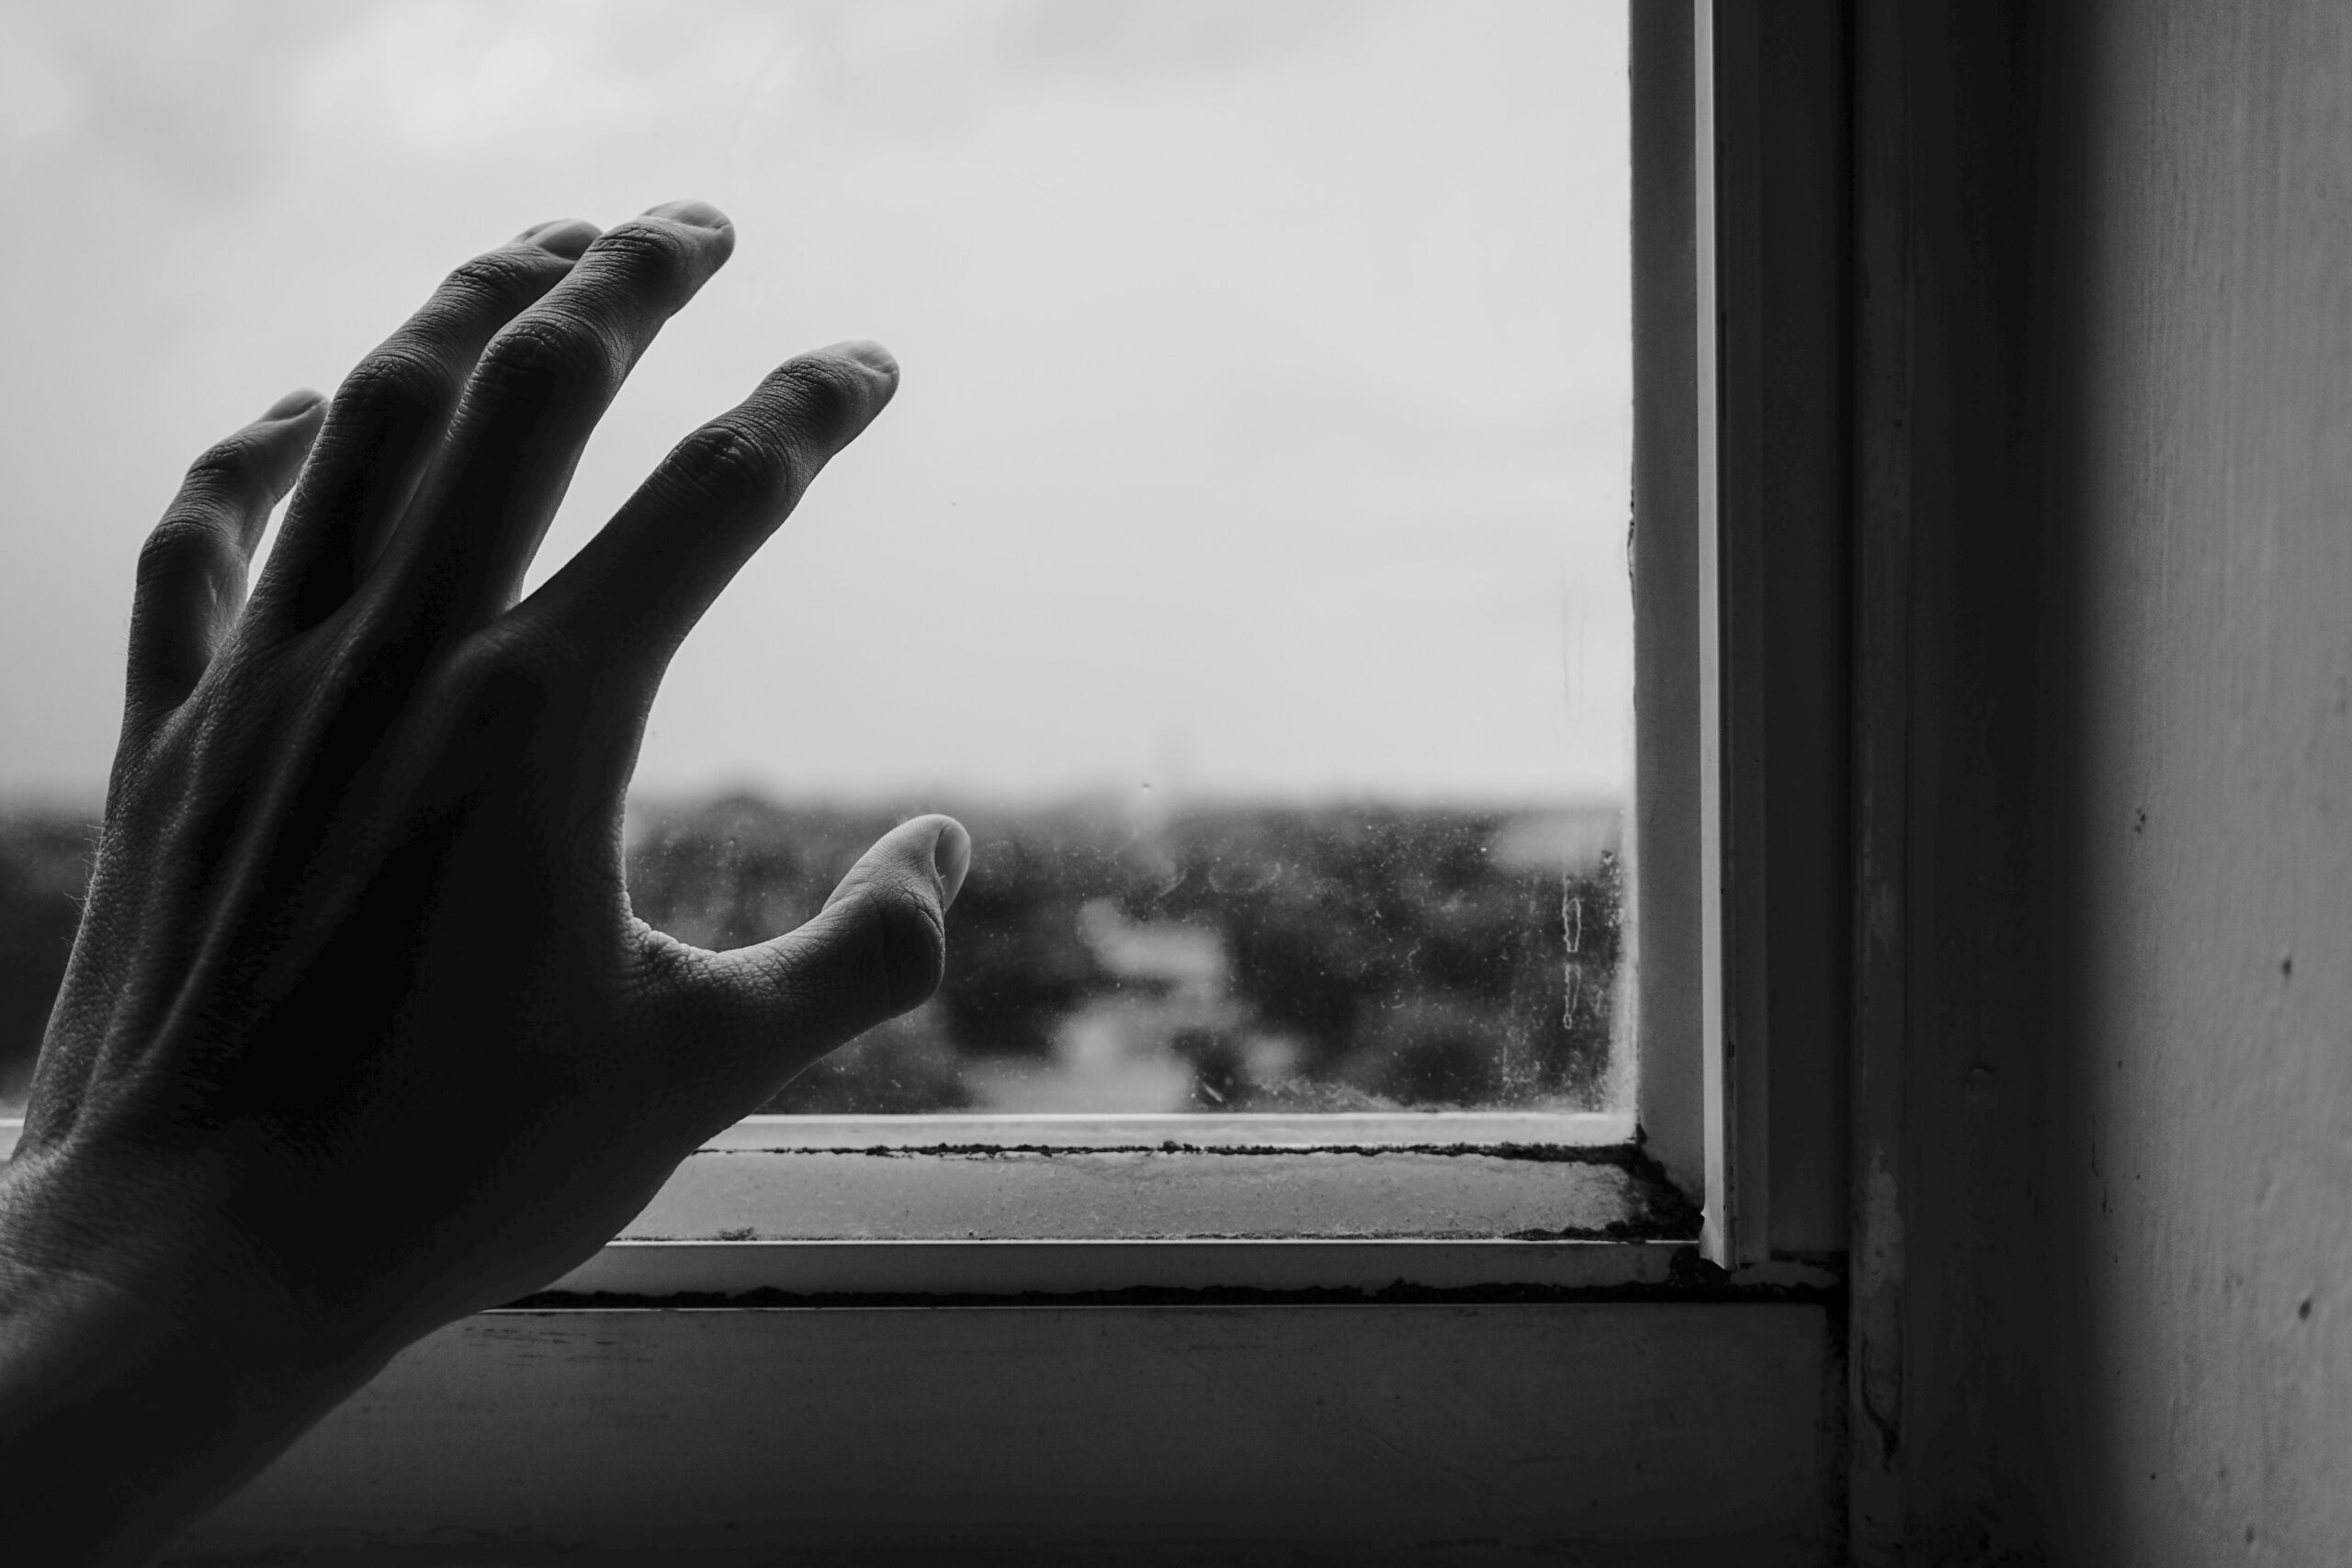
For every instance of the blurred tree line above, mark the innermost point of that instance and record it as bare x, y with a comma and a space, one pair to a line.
1411, 965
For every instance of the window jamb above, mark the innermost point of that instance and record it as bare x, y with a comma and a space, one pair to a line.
1771, 157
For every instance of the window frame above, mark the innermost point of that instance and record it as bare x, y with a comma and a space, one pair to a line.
1675, 651
1739, 553
1706, 1376
1714, 775
1747, 1105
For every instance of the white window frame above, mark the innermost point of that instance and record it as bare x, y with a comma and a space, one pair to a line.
1696, 619
1611, 1392
1683, 623
1276, 1248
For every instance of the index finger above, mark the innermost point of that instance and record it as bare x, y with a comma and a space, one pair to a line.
634, 590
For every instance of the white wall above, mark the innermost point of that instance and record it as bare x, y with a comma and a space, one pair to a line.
2122, 407
2199, 1157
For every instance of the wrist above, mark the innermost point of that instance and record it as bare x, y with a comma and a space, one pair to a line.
142, 1375
147, 1251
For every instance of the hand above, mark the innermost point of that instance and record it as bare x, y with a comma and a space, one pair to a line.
359, 1034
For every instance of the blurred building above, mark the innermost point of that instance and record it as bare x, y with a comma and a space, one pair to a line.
1570, 842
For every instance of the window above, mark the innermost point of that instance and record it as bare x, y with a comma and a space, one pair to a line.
1260, 482
1299, 770
1122, 1094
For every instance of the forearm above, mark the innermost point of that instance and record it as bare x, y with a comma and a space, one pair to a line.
128, 1405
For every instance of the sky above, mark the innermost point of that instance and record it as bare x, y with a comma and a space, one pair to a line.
1265, 423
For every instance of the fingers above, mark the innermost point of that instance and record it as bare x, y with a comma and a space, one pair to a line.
390, 412
191, 579
874, 951
636, 588
539, 390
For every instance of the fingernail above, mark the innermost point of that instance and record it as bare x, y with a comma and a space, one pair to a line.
701, 214
292, 403
871, 355
567, 237
951, 860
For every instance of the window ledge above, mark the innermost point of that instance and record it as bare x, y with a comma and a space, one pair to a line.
788, 1209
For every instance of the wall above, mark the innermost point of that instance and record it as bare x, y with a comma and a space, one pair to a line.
2127, 1095
1609, 1435
2199, 1166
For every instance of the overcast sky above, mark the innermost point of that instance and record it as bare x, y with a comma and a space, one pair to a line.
1264, 429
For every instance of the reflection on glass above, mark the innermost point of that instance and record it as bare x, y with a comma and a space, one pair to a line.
1243, 558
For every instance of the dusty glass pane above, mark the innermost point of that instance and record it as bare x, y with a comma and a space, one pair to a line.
1289, 958
1243, 560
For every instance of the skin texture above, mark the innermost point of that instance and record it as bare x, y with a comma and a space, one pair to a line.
359, 1034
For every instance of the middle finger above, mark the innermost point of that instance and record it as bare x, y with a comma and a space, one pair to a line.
541, 386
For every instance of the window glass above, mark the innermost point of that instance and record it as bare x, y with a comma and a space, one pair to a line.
1243, 560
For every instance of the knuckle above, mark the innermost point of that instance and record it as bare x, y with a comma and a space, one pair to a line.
511, 678
513, 688
732, 463
551, 353
819, 395
402, 380
644, 253
502, 281
229, 464
184, 544
905, 946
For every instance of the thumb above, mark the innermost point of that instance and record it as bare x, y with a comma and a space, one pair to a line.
875, 950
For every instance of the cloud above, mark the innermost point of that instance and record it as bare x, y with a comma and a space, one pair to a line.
1260, 356
1098, 40
443, 79
194, 99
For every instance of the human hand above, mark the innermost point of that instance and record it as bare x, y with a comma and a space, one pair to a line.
359, 1034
